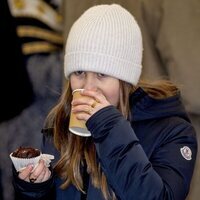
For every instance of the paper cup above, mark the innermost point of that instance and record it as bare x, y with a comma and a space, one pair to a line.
76, 126
22, 163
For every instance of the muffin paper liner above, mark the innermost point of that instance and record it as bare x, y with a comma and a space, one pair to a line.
21, 163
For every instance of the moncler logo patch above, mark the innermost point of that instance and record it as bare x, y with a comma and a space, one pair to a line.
186, 153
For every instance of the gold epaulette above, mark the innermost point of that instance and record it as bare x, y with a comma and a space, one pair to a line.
39, 10
38, 47
39, 33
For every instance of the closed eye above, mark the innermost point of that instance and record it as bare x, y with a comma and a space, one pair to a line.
78, 73
101, 75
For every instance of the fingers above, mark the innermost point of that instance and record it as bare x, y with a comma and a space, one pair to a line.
83, 101
24, 174
44, 175
84, 108
40, 174
96, 95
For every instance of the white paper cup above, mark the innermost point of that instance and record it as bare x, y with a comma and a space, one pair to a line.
22, 163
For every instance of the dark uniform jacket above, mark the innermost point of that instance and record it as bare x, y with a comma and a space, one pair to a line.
151, 156
15, 85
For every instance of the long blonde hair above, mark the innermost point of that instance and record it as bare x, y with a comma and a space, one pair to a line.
75, 150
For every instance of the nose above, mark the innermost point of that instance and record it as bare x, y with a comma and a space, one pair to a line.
90, 81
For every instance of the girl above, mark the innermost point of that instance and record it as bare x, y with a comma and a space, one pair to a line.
142, 144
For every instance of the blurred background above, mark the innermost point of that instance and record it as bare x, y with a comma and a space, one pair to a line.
33, 34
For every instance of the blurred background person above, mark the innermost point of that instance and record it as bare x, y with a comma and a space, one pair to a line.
15, 83
16, 88
32, 49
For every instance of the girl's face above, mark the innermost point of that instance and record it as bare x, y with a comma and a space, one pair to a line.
107, 85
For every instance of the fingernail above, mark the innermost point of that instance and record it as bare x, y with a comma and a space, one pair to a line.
30, 166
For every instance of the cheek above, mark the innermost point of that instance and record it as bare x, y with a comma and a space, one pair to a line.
112, 95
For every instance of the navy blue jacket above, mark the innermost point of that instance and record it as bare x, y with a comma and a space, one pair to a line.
151, 156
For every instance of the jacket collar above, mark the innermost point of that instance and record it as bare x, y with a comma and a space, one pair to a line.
144, 107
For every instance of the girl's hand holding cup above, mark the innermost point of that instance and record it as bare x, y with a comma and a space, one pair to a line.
84, 104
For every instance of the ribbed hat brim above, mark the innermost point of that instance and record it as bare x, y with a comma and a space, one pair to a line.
99, 63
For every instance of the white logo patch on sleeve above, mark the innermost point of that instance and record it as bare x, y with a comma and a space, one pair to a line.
186, 152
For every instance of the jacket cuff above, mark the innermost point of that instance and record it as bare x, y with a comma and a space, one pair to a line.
27, 190
102, 122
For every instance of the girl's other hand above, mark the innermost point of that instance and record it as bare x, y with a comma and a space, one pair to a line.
40, 174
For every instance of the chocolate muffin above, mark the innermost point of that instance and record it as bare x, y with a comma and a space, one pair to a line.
26, 152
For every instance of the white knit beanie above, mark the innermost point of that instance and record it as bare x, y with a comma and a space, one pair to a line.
105, 39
